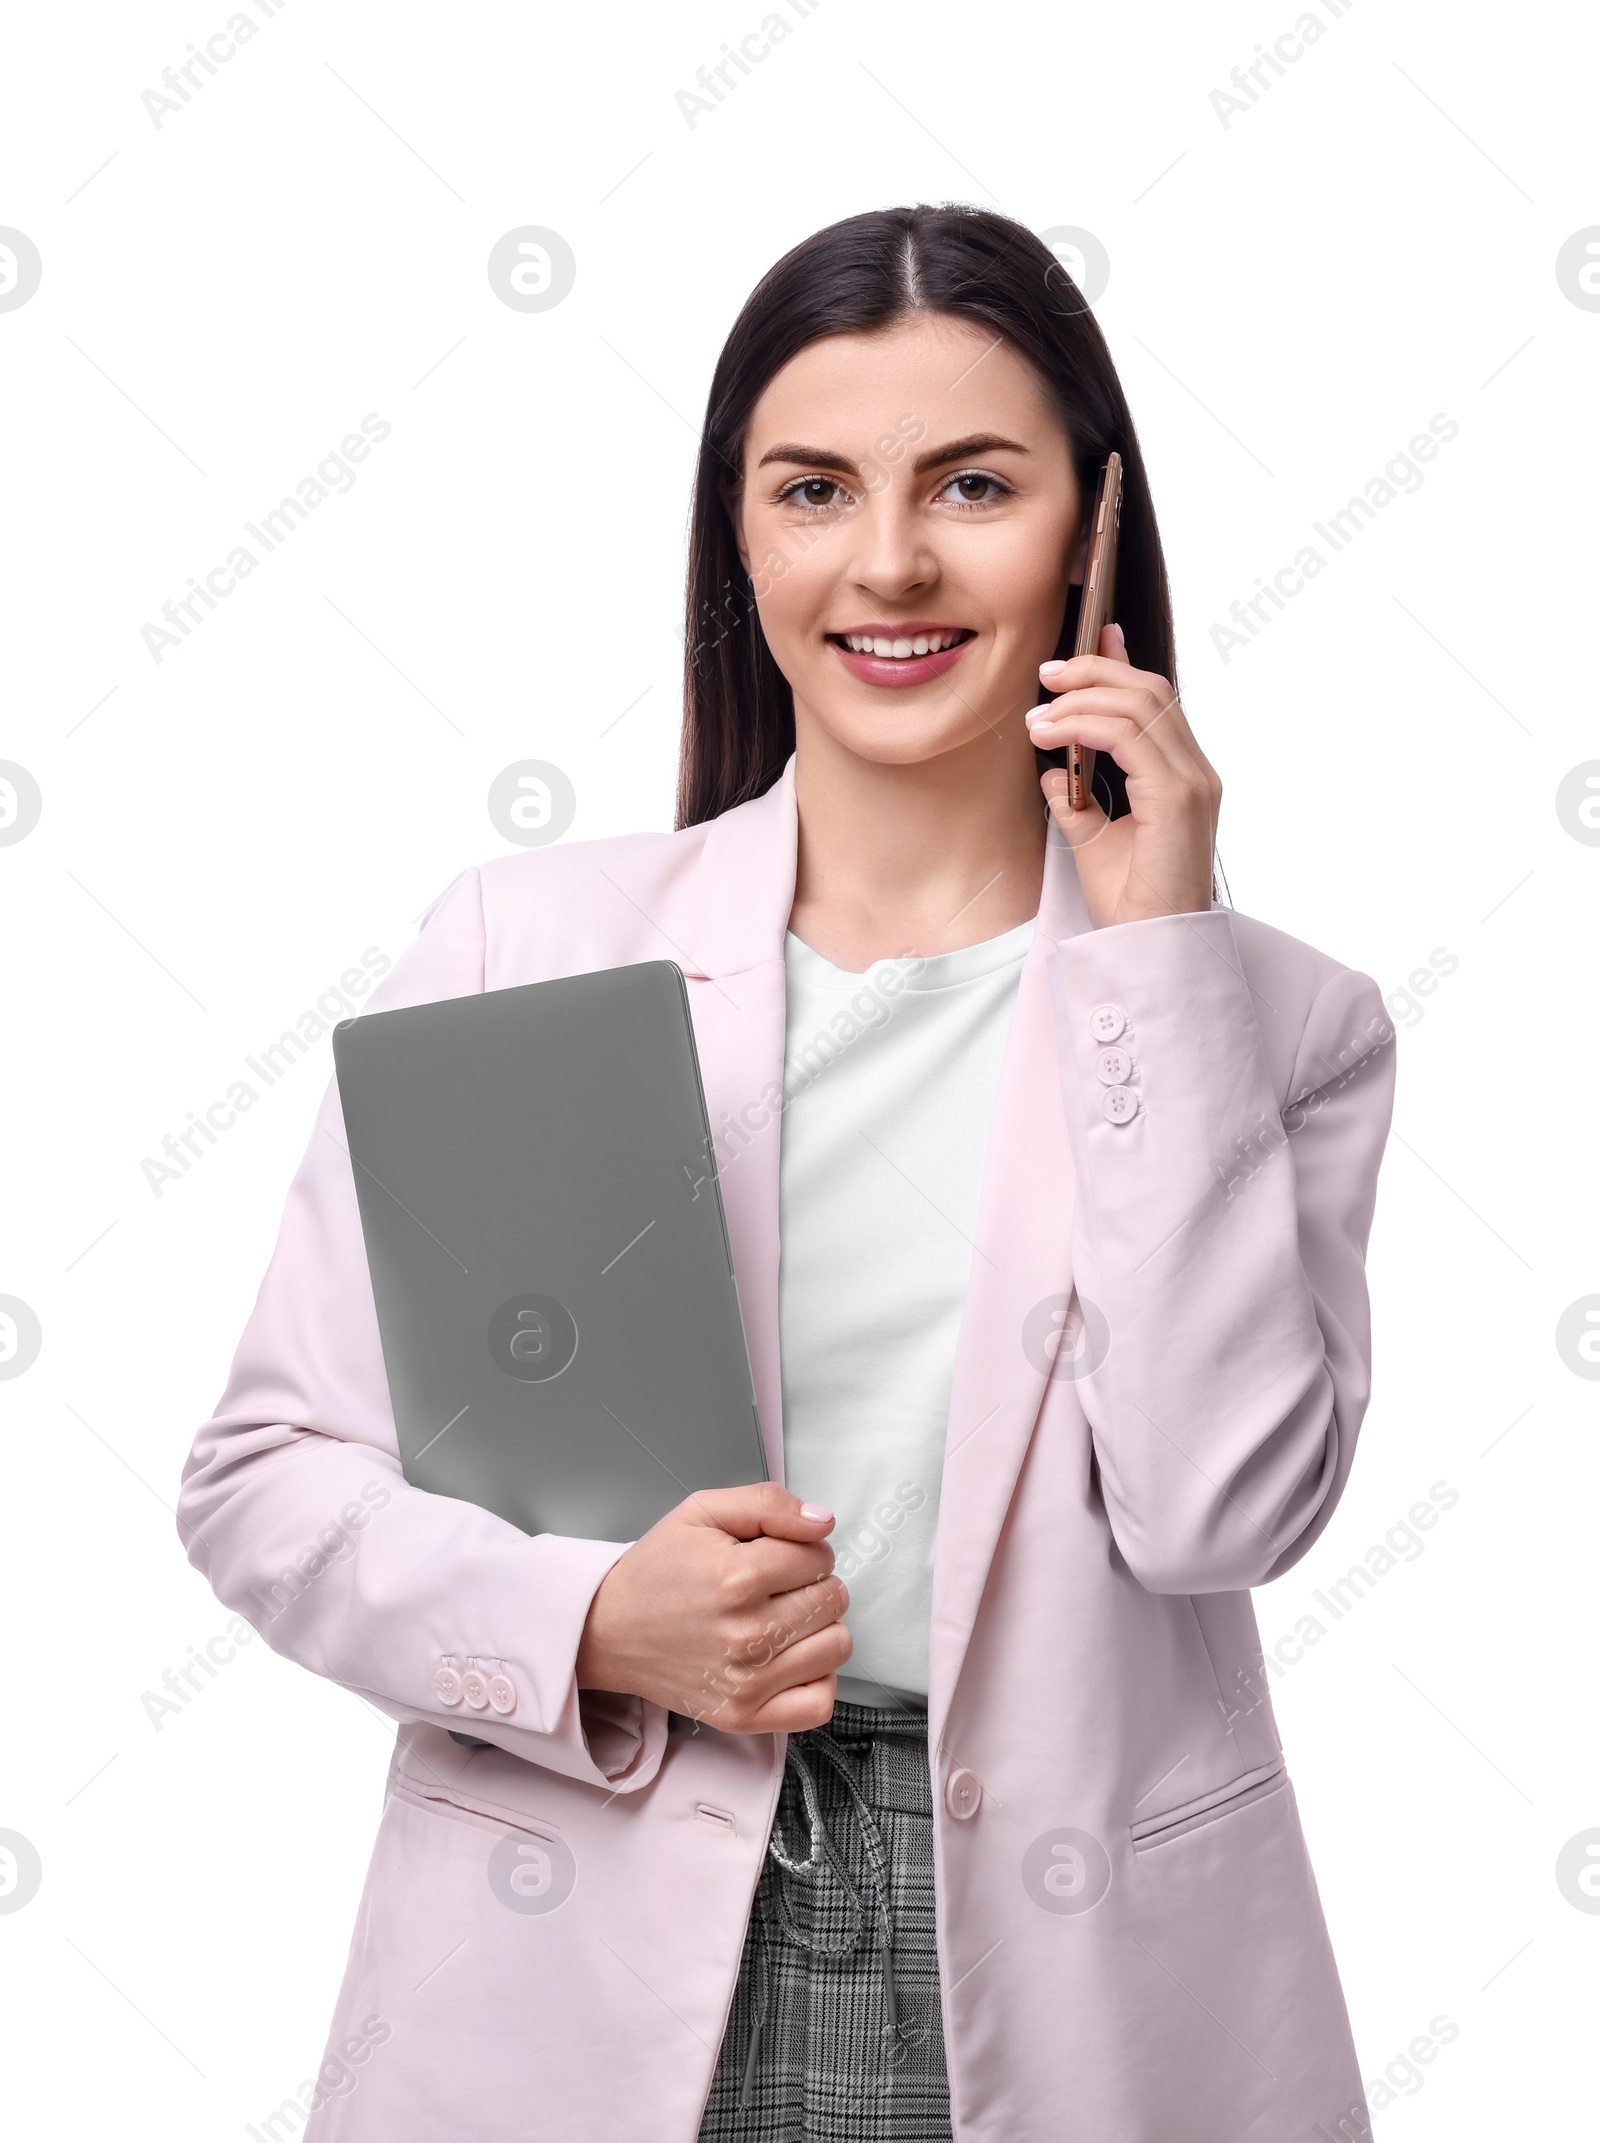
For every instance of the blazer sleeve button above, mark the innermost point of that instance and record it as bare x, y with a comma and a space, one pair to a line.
1106, 1022
1120, 1104
962, 1793
475, 1688
502, 1692
447, 1686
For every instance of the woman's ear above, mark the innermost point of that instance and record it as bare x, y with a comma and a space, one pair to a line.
1080, 558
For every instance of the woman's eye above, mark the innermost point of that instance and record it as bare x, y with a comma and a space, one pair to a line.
813, 491
974, 489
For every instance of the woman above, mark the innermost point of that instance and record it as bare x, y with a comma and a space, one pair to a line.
981, 1829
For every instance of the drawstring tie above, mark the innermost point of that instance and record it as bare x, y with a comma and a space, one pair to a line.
821, 1865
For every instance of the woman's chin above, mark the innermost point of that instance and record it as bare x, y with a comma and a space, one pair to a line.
900, 735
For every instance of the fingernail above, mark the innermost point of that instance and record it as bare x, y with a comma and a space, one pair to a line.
815, 1510
1121, 642
1055, 663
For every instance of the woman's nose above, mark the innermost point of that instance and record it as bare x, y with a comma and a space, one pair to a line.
892, 553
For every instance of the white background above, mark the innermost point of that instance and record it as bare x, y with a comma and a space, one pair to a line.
1292, 296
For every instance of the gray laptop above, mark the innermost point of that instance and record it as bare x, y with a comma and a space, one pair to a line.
548, 1251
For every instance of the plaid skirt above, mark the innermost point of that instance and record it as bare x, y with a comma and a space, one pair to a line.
835, 2030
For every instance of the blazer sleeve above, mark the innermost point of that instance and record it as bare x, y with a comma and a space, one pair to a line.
1219, 1241
294, 1506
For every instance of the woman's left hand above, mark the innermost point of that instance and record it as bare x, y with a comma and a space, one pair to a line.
1156, 861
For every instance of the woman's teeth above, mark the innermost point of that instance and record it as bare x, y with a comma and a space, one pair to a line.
922, 643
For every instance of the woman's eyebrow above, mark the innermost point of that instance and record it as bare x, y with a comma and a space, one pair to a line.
962, 449
816, 457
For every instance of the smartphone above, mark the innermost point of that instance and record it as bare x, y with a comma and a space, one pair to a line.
1099, 588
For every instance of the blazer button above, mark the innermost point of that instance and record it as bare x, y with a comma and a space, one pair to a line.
962, 1793
475, 1688
1112, 1067
447, 1686
1120, 1104
502, 1692
1106, 1022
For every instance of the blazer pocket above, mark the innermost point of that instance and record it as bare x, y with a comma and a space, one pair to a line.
1211, 1807
472, 1809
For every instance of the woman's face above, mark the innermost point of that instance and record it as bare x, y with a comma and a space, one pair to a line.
908, 517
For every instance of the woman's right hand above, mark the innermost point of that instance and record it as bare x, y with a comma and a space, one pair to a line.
727, 1611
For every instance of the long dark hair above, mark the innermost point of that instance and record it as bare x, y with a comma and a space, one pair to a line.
865, 273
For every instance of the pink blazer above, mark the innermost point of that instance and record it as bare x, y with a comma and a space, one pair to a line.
1131, 1944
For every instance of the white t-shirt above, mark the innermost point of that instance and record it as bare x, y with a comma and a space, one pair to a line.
891, 1079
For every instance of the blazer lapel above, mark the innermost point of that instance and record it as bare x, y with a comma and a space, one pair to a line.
735, 920
1020, 1283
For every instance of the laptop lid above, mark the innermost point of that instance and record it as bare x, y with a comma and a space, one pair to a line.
548, 1250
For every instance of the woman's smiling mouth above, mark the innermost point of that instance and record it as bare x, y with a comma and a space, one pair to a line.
903, 654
